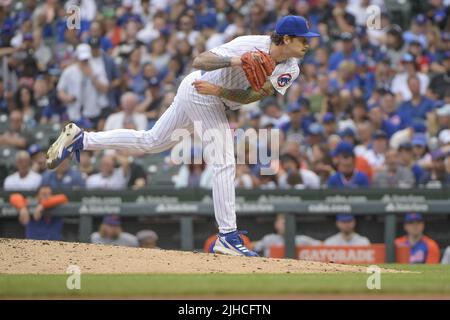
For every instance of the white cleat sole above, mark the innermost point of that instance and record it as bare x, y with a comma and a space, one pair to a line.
219, 248
65, 139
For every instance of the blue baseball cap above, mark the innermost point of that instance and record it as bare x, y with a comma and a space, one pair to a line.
419, 139
380, 134
293, 107
328, 117
344, 217
419, 126
111, 220
33, 149
315, 129
294, 26
254, 114
413, 216
343, 147
347, 132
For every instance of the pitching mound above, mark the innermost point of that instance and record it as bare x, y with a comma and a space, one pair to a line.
53, 257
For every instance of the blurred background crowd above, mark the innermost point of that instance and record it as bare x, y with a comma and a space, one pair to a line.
371, 107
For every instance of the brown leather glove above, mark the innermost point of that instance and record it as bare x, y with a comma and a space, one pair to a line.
257, 66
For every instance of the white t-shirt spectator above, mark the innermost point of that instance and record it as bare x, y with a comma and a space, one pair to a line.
400, 85
446, 256
76, 84
30, 182
273, 239
310, 180
125, 239
338, 240
116, 121
114, 182
375, 160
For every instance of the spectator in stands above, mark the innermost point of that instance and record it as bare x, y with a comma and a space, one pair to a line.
101, 60
277, 239
393, 174
438, 176
128, 118
111, 233
38, 159
441, 82
137, 177
24, 179
147, 239
415, 108
86, 166
346, 176
291, 175
402, 85
113, 175
194, 173
17, 135
375, 156
83, 86
423, 249
406, 158
63, 178
346, 224
40, 225
446, 256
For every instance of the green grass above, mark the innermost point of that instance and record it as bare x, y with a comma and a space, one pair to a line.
430, 280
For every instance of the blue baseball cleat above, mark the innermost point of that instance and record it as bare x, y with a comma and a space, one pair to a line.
69, 141
232, 244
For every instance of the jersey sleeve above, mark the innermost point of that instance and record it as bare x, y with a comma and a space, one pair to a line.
284, 75
229, 49
434, 253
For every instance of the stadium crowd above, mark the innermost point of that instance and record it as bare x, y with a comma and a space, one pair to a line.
371, 107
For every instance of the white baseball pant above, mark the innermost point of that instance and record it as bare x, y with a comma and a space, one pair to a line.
188, 107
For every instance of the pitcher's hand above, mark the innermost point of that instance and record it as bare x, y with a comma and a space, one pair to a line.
207, 88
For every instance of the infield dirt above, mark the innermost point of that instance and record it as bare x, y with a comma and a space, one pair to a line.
54, 257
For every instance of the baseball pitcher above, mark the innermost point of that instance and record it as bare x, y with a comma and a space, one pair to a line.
241, 71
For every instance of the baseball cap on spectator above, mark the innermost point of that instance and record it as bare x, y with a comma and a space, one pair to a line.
444, 111
419, 126
28, 36
405, 146
437, 154
379, 134
412, 217
343, 148
419, 139
294, 107
146, 234
444, 136
111, 220
34, 149
154, 82
94, 42
328, 117
83, 52
347, 132
420, 19
127, 3
294, 26
255, 114
315, 129
271, 101
408, 57
344, 217
346, 36
445, 36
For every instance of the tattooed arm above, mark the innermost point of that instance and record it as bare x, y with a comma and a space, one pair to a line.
236, 95
209, 61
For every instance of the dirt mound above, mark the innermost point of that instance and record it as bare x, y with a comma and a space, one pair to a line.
53, 257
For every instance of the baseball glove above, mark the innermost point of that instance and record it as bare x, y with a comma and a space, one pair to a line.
257, 66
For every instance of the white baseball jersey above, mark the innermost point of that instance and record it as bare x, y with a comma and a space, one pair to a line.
234, 78
188, 107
